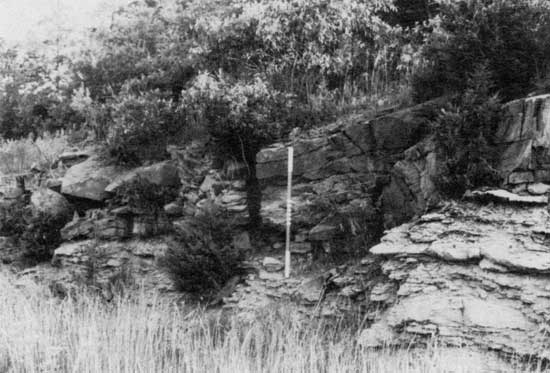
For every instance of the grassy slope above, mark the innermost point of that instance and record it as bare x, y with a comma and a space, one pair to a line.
39, 333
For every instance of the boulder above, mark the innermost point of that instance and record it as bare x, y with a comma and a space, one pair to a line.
164, 174
173, 209
538, 189
272, 265
53, 204
241, 241
89, 179
70, 158
310, 292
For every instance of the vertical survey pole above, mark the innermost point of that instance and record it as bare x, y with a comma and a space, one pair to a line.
288, 210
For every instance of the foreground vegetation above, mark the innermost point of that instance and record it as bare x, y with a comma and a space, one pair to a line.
40, 333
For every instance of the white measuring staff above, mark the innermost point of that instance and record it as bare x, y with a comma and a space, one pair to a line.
288, 210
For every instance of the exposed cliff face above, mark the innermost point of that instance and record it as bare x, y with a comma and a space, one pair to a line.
524, 141
379, 164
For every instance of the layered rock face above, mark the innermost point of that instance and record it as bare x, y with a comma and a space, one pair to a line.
104, 266
524, 141
474, 273
360, 162
108, 242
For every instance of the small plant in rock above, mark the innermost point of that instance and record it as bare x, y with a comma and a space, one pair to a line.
201, 258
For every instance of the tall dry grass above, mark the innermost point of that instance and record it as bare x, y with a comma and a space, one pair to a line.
39, 333
18, 156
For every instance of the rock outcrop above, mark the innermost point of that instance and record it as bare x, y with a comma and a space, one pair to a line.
470, 274
89, 179
92, 179
381, 166
523, 139
102, 264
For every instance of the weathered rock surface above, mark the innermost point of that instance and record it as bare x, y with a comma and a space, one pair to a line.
164, 174
471, 274
97, 224
357, 162
94, 180
134, 262
89, 179
524, 138
48, 202
119, 224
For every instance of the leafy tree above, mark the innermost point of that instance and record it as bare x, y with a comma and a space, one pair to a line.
510, 37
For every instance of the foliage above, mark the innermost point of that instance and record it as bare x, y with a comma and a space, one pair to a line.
246, 71
202, 259
34, 91
464, 134
290, 64
38, 234
510, 37
410, 13
241, 116
41, 236
19, 156
141, 195
141, 126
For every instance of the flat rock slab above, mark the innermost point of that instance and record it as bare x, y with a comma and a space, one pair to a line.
504, 196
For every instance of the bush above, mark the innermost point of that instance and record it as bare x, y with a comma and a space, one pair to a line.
240, 116
464, 133
38, 234
510, 36
142, 126
202, 259
141, 195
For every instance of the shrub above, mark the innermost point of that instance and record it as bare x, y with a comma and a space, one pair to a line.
141, 195
511, 37
41, 236
240, 116
38, 234
464, 132
202, 259
142, 126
